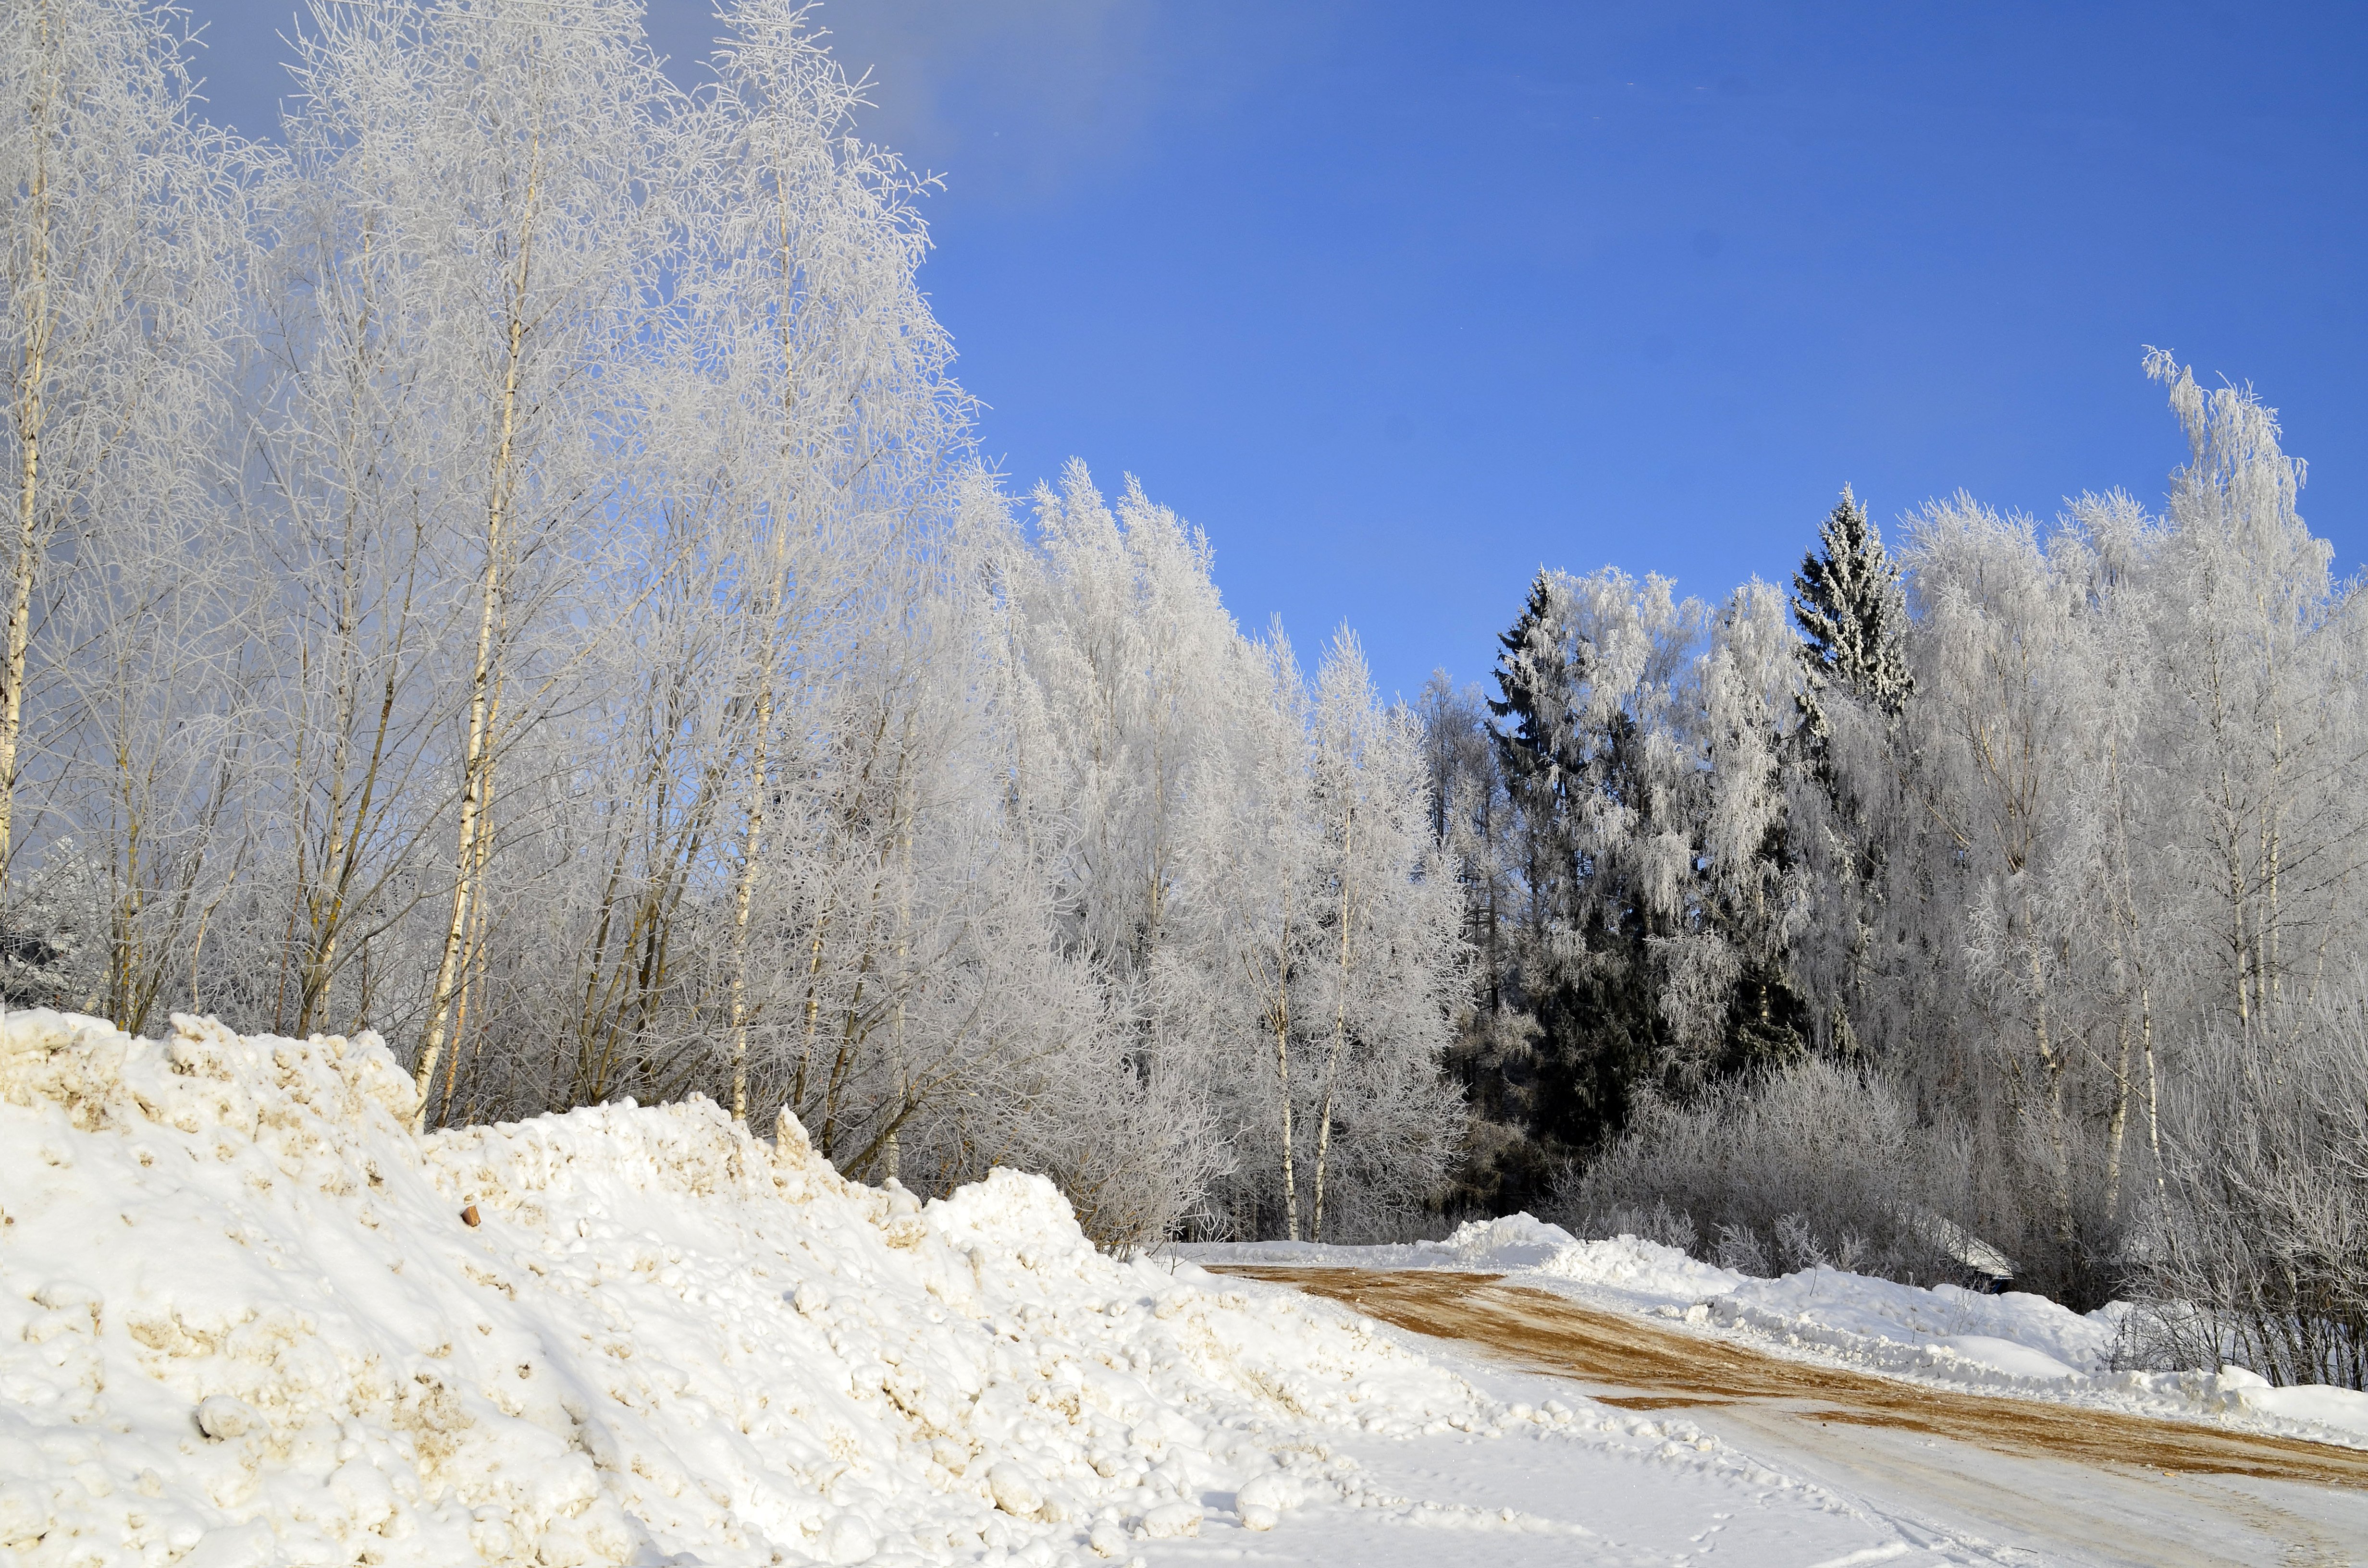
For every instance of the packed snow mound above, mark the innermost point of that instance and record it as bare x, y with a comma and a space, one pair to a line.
1509, 1244
2017, 1333
1633, 1266
2241, 1390
244, 1321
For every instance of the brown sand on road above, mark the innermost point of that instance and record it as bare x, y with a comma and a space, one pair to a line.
1667, 1369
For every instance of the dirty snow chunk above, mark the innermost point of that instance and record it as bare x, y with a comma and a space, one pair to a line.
1170, 1520
241, 1322
222, 1418
1014, 1490
24, 1513
1264, 1501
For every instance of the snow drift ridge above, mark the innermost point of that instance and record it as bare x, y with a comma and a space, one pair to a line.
242, 1322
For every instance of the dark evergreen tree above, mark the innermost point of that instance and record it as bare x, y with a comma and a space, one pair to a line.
1582, 969
1535, 682
1853, 616
1598, 875
1853, 619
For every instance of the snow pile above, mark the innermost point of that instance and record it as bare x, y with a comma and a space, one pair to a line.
1647, 1271
243, 1320
1506, 1245
1978, 1338
2016, 1335
1954, 1333
2013, 1343
2240, 1390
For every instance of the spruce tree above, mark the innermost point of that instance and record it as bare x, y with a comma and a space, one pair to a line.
1536, 687
1853, 617
1582, 970
1854, 620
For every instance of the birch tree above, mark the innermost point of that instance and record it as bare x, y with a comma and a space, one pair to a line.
2261, 665
118, 267
836, 408
1392, 960
1264, 845
497, 162
2007, 677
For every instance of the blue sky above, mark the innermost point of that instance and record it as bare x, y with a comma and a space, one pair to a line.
1399, 302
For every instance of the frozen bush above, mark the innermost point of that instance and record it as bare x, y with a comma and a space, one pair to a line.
2256, 1250
1819, 1163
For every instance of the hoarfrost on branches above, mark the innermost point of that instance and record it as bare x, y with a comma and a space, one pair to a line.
506, 565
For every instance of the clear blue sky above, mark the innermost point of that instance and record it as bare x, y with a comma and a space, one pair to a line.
1399, 302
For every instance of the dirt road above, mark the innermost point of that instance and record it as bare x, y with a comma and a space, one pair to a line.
2016, 1481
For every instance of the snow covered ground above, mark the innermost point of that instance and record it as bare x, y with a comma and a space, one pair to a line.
244, 1320
2016, 1343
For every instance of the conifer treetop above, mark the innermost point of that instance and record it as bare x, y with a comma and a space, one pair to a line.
1852, 615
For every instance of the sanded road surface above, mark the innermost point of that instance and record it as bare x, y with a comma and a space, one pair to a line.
2008, 1480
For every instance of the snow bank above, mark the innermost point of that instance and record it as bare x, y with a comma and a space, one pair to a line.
2238, 1389
2015, 1342
244, 1322
1516, 1244
2016, 1333
1647, 1271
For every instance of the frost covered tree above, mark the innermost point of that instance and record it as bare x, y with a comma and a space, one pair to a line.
1392, 964
471, 185
1852, 615
1269, 927
2259, 679
1642, 740
2015, 823
833, 398
505, 566
1748, 693
2003, 761
2044, 873
1493, 1055
1230, 856
120, 267
2134, 727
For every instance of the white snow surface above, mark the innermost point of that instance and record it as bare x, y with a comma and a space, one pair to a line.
243, 1324
240, 1308
2013, 1343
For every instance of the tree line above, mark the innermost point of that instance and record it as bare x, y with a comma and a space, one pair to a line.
2015, 890
503, 562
